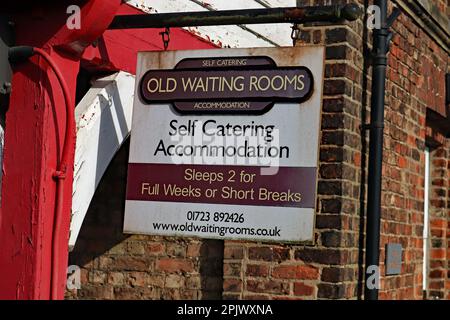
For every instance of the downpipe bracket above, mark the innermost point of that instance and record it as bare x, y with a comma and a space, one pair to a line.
371, 126
59, 175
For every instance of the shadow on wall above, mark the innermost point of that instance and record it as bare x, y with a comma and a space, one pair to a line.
118, 266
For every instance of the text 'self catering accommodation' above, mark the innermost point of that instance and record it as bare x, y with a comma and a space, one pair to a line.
233, 165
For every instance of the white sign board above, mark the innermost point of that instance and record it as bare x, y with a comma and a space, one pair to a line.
224, 143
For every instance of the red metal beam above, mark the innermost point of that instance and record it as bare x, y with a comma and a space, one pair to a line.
35, 127
117, 49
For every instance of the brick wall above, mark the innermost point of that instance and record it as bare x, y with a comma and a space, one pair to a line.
439, 223
333, 267
417, 68
329, 268
118, 266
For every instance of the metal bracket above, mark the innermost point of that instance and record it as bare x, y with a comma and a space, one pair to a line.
370, 126
331, 13
390, 21
165, 35
295, 33
394, 15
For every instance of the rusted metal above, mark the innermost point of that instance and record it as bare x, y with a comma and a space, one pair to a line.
298, 15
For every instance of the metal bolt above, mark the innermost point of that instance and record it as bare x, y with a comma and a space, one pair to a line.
352, 11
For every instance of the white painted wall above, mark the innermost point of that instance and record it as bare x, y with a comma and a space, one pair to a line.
103, 120
263, 35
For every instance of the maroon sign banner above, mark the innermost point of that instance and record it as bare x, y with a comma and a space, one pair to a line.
209, 86
187, 183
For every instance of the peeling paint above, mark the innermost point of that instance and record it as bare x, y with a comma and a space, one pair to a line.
104, 120
228, 36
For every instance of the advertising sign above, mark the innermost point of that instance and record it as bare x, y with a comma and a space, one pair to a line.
224, 144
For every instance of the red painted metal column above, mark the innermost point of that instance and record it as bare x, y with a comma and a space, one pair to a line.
35, 129
33, 142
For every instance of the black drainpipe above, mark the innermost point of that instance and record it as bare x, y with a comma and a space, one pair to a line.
381, 39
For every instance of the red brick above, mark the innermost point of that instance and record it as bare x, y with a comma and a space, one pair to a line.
437, 254
155, 248
438, 223
104, 292
174, 265
268, 253
301, 289
267, 286
232, 269
232, 285
257, 270
137, 279
174, 281
295, 272
193, 249
256, 297
319, 255
131, 263
233, 252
